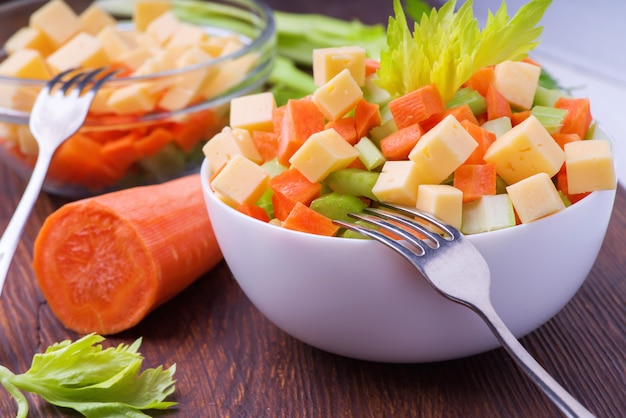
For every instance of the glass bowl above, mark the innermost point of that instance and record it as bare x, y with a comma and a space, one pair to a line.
241, 48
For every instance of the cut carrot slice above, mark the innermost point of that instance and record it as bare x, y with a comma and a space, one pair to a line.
366, 117
497, 105
303, 218
346, 127
481, 80
475, 180
484, 139
563, 139
462, 112
254, 211
154, 141
578, 117
519, 117
397, 145
295, 186
302, 118
105, 262
266, 143
417, 106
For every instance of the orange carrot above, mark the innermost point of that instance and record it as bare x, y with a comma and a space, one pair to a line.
371, 66
563, 139
152, 143
519, 117
398, 145
561, 184
481, 80
366, 117
303, 218
417, 106
484, 139
302, 118
277, 118
266, 143
104, 263
462, 112
475, 180
121, 153
292, 184
198, 126
497, 105
345, 127
254, 211
357, 163
578, 117
282, 205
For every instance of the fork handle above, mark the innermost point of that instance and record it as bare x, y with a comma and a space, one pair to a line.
13, 232
566, 402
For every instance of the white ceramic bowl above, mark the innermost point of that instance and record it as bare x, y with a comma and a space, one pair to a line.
359, 299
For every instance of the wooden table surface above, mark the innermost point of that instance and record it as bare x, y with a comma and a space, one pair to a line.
232, 362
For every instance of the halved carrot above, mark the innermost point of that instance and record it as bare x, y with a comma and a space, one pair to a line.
397, 145
417, 106
497, 105
302, 118
578, 117
303, 218
481, 80
475, 180
366, 117
266, 143
346, 127
105, 262
484, 139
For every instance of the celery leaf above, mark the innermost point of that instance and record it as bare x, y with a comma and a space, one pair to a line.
446, 47
94, 381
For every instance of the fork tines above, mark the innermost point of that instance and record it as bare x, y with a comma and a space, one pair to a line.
77, 80
387, 221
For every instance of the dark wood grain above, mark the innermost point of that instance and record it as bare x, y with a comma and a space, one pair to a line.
231, 362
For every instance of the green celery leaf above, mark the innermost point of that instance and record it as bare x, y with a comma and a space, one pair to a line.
97, 382
447, 47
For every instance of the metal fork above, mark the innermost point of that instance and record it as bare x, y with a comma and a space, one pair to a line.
59, 111
455, 268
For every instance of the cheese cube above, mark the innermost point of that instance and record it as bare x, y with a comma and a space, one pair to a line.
28, 38
322, 153
135, 57
145, 11
17, 97
589, 165
241, 181
226, 144
229, 74
26, 141
25, 63
253, 112
535, 197
338, 96
57, 21
186, 36
93, 19
517, 81
443, 201
525, 150
100, 102
163, 27
132, 98
328, 62
398, 182
83, 50
442, 150
113, 42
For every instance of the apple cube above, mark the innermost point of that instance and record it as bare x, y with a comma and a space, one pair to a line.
535, 197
